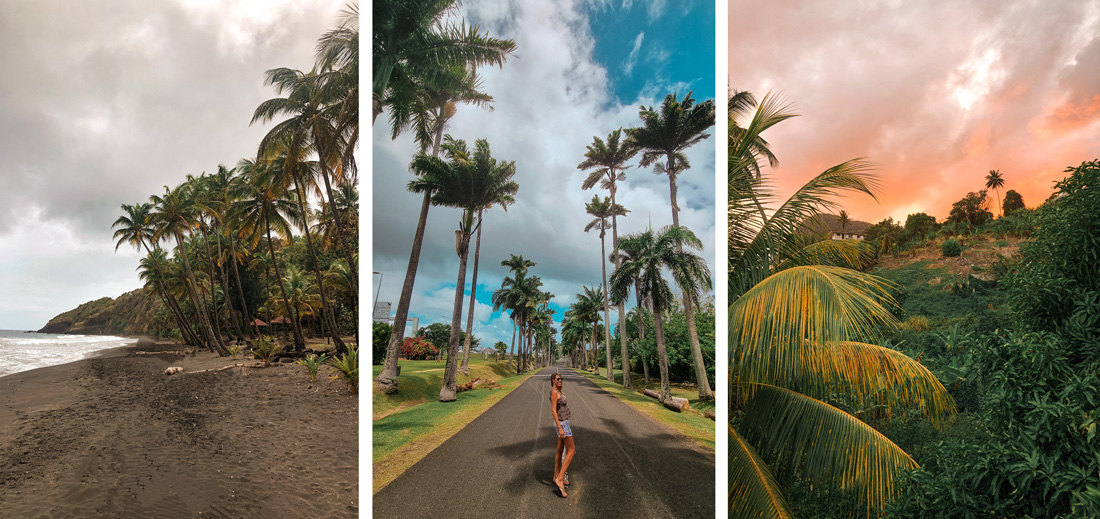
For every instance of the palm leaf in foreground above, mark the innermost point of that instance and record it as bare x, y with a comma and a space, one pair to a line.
753, 489
830, 446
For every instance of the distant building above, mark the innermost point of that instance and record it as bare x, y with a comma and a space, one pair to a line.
827, 226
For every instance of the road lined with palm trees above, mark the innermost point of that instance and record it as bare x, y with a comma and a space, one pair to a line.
501, 464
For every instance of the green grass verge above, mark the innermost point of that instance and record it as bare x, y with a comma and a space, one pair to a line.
691, 424
413, 422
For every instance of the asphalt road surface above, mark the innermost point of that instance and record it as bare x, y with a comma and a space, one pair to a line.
501, 464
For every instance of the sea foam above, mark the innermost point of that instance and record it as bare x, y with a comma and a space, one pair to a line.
21, 351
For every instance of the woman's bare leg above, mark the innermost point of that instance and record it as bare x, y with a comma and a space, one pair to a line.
570, 450
557, 456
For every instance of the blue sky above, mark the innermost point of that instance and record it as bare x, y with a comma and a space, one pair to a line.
567, 82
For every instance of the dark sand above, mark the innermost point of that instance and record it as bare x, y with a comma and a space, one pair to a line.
112, 436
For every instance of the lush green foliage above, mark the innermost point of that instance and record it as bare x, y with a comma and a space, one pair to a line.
951, 248
418, 348
1031, 448
380, 338
1013, 202
1057, 287
973, 209
347, 368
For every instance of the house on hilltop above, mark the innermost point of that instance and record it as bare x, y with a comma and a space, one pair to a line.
827, 226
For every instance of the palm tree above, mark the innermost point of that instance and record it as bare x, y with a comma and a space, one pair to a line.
994, 181
470, 182
789, 359
505, 199
608, 160
175, 212
844, 221
648, 254
134, 228
338, 64
742, 104
602, 210
426, 109
666, 135
587, 309
508, 296
412, 44
306, 130
268, 206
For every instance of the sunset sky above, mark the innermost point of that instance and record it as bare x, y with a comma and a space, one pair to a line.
936, 94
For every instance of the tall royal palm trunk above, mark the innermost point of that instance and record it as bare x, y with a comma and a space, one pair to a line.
449, 391
627, 382
513, 354
387, 379
641, 331
705, 392
200, 312
662, 353
233, 319
325, 307
473, 292
606, 316
299, 342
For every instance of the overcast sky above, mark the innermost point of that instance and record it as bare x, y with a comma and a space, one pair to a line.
103, 102
936, 93
581, 69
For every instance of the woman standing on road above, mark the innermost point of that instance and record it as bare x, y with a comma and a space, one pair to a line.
560, 411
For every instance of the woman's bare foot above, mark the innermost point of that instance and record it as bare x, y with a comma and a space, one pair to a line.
561, 487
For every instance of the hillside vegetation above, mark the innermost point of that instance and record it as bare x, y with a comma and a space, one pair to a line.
130, 314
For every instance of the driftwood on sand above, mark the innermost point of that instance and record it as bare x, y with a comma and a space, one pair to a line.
177, 369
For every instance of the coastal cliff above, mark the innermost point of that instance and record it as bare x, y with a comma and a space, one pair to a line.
131, 314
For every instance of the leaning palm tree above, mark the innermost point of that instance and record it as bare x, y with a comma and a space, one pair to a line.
268, 206
413, 42
134, 228
994, 181
799, 321
426, 109
665, 136
649, 253
602, 210
609, 163
174, 213
306, 130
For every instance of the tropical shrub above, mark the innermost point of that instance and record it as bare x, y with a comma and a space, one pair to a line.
951, 248
264, 348
418, 348
1034, 451
347, 368
312, 363
380, 339
235, 350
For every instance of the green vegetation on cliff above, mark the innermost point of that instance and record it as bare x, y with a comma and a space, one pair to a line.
133, 313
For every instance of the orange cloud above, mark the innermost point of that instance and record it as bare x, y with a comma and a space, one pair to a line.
1068, 117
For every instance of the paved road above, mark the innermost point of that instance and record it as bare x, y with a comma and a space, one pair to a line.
500, 465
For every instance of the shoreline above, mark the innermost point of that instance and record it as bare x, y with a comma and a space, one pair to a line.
111, 435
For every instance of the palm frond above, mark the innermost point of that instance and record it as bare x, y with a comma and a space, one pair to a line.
829, 446
753, 490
